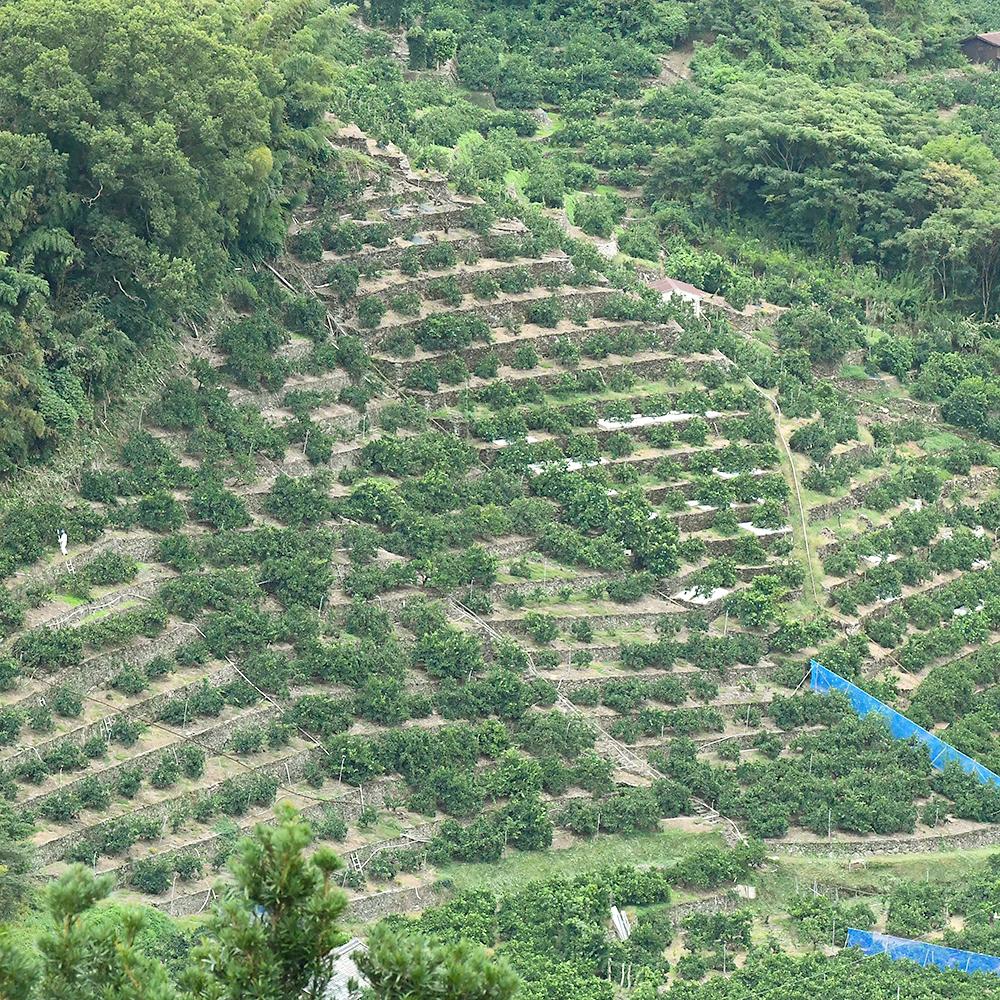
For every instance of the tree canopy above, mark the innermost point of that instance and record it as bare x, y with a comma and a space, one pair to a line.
142, 145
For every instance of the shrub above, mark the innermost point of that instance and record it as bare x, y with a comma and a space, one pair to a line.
542, 628
525, 358
129, 781
313, 774
60, 807
130, 681
406, 304
31, 769
486, 287
248, 740
93, 793
158, 666
160, 512
409, 263
64, 756
39, 719
125, 731
188, 867
166, 773
399, 343
545, 313
488, 366
151, 875
110, 568
451, 331
306, 245
48, 650
191, 760
67, 702
445, 290
343, 278
422, 376
95, 747
250, 345
371, 310
9, 675
180, 553
439, 256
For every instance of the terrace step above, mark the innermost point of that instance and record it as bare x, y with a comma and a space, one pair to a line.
99, 710
52, 844
509, 311
463, 242
140, 545
504, 344
643, 365
100, 668
555, 262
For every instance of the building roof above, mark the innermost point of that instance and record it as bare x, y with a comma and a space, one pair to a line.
990, 37
680, 287
347, 982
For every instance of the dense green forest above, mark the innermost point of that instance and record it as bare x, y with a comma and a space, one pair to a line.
365, 496
146, 149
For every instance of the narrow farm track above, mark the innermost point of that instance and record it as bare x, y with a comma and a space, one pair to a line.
793, 476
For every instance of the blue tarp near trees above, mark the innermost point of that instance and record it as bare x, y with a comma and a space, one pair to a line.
824, 681
873, 943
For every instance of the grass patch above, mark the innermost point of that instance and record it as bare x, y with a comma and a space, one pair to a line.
547, 128
70, 599
513, 872
104, 612
778, 884
515, 180
539, 573
941, 441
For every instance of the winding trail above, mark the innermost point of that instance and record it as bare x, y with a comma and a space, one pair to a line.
779, 430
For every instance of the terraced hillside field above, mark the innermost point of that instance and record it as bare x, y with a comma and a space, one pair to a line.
464, 545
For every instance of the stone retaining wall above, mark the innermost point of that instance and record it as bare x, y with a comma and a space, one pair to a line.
716, 547
488, 453
141, 547
368, 909
97, 670
140, 711
290, 767
329, 382
979, 480
134, 591
465, 279
390, 256
699, 520
213, 738
396, 369
499, 591
416, 212
850, 501
986, 837
640, 367
883, 609
599, 622
721, 902
505, 312
348, 807
511, 547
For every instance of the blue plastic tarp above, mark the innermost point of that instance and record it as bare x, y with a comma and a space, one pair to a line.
824, 681
873, 943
